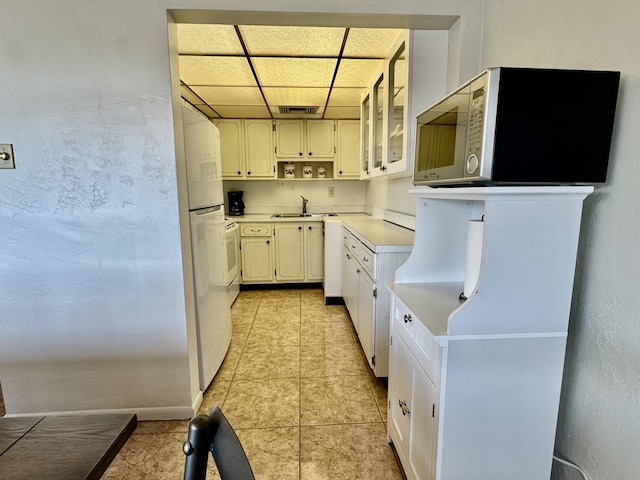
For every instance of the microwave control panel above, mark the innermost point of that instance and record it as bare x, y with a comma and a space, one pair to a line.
477, 101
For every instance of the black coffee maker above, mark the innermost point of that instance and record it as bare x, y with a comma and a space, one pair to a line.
236, 205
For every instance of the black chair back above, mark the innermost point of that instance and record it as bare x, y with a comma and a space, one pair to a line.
213, 433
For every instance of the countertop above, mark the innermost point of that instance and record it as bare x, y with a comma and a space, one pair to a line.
378, 234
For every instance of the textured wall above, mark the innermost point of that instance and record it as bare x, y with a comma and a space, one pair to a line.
599, 424
96, 297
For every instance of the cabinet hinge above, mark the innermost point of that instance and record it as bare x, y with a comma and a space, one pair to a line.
390, 340
273, 127
274, 169
275, 150
334, 150
274, 231
373, 360
433, 410
375, 293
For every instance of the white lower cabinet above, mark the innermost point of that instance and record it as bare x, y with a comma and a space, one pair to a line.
256, 250
289, 252
366, 310
314, 251
412, 408
366, 268
282, 252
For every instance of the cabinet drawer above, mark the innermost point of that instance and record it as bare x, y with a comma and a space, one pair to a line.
354, 246
346, 237
251, 230
419, 340
367, 259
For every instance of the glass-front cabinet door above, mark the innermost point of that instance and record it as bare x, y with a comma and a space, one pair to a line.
397, 105
378, 123
365, 125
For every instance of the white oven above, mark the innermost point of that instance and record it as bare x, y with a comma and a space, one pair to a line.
231, 245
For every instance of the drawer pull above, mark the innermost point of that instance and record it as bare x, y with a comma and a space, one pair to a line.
407, 318
365, 259
354, 247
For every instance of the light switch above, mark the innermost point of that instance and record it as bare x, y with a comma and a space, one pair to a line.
6, 156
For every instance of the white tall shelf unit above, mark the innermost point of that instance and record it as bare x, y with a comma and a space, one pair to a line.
495, 360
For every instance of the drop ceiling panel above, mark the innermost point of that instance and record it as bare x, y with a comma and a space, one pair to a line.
230, 95
294, 72
296, 96
341, 97
356, 73
342, 112
217, 71
368, 42
208, 39
243, 111
292, 41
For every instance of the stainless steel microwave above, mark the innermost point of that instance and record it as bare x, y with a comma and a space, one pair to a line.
519, 126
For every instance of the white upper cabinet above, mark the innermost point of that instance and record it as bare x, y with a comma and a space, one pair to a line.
246, 147
305, 139
348, 149
412, 78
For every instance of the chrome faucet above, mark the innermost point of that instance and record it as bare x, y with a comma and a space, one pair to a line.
304, 204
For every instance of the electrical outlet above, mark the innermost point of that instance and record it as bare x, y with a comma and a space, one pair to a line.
332, 191
6, 156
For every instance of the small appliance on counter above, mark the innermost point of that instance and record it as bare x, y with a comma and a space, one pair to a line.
236, 205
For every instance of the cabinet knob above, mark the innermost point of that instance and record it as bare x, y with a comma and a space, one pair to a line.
340, 172
365, 259
348, 257
309, 227
239, 172
357, 270
300, 153
300, 227
407, 318
310, 154
248, 173
268, 242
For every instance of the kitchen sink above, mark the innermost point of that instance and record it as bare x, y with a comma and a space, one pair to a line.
295, 215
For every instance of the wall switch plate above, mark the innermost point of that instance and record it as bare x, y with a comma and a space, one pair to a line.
6, 156
332, 191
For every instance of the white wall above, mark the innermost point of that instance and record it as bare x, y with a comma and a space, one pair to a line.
268, 196
95, 285
599, 424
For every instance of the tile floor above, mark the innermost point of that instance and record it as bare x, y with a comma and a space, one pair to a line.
295, 386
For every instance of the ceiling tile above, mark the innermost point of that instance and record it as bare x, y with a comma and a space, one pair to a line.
356, 73
342, 112
292, 41
230, 95
345, 97
216, 71
370, 42
208, 39
301, 97
294, 72
243, 111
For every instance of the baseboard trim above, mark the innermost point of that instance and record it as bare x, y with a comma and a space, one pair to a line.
279, 286
147, 413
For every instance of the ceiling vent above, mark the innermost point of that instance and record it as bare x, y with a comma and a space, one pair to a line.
298, 110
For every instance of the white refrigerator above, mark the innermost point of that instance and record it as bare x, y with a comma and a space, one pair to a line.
206, 216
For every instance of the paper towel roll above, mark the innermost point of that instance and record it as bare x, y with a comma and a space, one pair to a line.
475, 232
